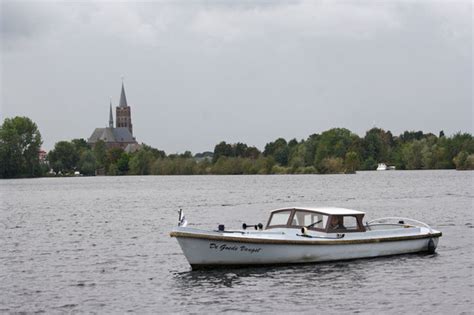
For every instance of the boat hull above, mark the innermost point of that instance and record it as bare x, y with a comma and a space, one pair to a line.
206, 252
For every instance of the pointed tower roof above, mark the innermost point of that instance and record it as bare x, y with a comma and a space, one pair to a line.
123, 98
111, 117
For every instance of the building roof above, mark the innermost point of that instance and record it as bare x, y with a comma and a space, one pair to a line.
123, 98
326, 210
122, 134
108, 135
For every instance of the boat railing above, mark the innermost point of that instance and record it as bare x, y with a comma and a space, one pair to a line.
373, 222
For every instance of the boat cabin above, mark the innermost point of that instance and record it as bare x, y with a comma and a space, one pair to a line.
328, 220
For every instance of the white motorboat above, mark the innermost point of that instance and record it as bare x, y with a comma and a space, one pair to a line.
305, 235
385, 167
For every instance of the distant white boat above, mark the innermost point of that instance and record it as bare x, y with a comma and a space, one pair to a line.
384, 167
304, 235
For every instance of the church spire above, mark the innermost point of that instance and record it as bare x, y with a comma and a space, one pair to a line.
123, 98
111, 117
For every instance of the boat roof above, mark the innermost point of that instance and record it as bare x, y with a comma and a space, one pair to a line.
325, 210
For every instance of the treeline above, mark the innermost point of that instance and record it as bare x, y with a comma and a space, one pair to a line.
337, 150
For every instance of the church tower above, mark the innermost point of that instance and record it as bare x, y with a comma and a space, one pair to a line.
123, 113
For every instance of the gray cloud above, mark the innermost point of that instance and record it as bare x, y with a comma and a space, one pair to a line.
200, 72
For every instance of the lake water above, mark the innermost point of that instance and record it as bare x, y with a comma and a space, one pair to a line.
102, 244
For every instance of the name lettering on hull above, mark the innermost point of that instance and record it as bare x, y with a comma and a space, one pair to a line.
234, 248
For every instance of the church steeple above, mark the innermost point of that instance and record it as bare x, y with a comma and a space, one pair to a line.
123, 98
111, 117
123, 113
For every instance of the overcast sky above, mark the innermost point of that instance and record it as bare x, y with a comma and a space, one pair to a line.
199, 72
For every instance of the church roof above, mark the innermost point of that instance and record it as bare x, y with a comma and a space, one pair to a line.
123, 98
120, 135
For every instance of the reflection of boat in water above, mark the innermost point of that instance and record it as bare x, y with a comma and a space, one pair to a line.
305, 235
385, 167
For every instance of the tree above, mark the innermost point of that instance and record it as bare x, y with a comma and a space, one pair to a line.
240, 149
20, 142
122, 163
378, 144
87, 163
333, 143
112, 157
64, 157
351, 162
100, 153
140, 163
157, 154
409, 136
297, 157
311, 145
278, 150
412, 155
222, 149
332, 165
464, 161
80, 145
252, 153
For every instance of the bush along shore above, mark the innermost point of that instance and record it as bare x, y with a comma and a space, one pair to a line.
334, 151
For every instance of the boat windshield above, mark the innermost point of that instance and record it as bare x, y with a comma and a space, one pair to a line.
309, 219
279, 218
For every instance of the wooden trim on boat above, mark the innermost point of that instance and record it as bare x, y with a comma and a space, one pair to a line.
302, 242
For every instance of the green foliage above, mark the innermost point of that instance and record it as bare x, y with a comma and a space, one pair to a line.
140, 162
332, 165
64, 157
470, 162
279, 150
80, 145
176, 166
277, 169
412, 156
464, 161
239, 149
377, 145
337, 150
297, 156
100, 153
369, 164
122, 163
351, 162
222, 150
155, 152
87, 163
113, 170
20, 142
333, 143
113, 154
409, 136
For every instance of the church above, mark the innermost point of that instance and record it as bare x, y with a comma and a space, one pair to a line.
120, 136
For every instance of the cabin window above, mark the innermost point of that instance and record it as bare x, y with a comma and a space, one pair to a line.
311, 219
343, 223
280, 218
351, 223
